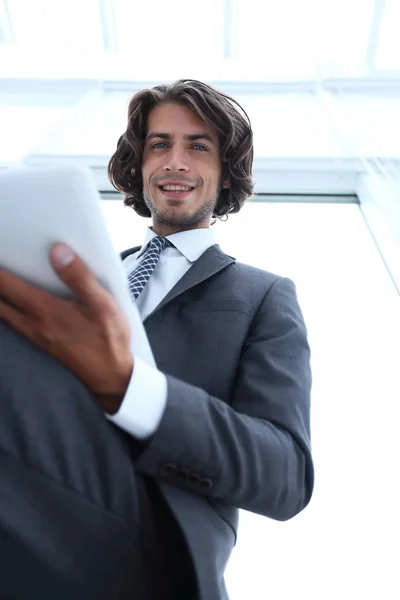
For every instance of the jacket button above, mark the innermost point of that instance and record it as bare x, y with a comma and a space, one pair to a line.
206, 483
169, 470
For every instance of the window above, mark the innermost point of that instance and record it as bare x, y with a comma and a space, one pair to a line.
72, 26
388, 51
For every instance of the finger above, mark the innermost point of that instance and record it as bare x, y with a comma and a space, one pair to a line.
27, 298
78, 277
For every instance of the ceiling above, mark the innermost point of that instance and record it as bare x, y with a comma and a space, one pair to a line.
236, 40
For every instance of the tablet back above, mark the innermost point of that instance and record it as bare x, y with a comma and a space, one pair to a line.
40, 206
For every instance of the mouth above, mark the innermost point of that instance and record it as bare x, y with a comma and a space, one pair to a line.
176, 191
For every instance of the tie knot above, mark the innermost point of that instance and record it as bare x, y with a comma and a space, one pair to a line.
141, 274
160, 243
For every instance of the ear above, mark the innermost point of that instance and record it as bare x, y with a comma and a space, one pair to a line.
226, 185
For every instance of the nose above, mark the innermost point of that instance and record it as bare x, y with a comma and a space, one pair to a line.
176, 161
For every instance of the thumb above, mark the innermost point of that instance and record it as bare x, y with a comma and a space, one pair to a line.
77, 276
61, 256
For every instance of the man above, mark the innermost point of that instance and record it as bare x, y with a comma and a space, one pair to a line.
120, 480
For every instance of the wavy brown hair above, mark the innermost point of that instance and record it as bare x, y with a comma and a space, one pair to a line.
216, 108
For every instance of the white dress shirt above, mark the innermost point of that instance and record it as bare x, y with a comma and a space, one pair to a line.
144, 403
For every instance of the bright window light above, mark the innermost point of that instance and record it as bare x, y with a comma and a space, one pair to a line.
70, 25
388, 51
33, 121
268, 40
215, 40
164, 38
303, 38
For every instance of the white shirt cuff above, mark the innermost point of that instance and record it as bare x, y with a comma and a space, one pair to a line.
144, 402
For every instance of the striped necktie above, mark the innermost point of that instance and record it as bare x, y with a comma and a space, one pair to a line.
141, 274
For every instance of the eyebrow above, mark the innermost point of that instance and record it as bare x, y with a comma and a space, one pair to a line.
191, 138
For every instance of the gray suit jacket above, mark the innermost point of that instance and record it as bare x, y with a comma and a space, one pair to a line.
232, 342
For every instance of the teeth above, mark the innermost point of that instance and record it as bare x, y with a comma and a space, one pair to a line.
175, 188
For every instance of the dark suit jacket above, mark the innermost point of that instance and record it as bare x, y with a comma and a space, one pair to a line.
232, 342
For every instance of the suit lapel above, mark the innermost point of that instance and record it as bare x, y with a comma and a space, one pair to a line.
210, 262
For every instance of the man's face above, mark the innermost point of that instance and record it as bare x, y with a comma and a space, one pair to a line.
181, 152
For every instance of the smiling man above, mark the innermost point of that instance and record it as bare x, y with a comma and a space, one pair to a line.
121, 480
181, 195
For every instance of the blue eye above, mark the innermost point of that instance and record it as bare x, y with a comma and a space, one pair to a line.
160, 145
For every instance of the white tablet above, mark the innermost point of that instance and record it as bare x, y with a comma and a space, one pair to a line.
40, 206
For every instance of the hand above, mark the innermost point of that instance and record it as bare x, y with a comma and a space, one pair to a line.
89, 335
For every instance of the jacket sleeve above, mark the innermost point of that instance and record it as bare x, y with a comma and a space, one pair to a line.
254, 453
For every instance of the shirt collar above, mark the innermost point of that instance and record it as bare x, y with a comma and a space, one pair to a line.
192, 244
